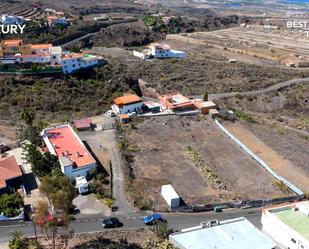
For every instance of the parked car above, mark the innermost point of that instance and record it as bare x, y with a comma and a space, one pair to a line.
132, 114
153, 219
111, 113
218, 209
111, 223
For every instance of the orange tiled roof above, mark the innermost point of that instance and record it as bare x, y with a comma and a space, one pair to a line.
41, 46
8, 169
11, 42
127, 99
124, 116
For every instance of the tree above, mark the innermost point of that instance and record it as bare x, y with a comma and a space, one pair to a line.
16, 241
205, 98
59, 193
42, 164
30, 132
10, 204
28, 116
46, 220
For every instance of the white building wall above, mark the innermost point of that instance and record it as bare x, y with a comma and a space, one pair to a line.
128, 108
74, 64
169, 54
83, 171
36, 59
282, 234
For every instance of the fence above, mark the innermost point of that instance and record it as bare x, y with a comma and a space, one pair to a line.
239, 204
259, 160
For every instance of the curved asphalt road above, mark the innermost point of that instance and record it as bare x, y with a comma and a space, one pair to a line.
273, 88
176, 221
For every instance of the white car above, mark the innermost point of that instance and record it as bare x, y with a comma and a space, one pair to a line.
111, 113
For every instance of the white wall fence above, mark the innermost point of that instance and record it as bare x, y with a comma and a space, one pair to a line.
259, 160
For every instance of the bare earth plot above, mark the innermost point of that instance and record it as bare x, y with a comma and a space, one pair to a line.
280, 164
161, 159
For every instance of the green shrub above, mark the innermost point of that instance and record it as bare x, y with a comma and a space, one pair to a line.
108, 202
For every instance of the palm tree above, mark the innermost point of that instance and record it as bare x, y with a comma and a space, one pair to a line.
28, 116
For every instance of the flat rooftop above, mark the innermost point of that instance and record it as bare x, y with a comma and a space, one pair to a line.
66, 143
296, 220
236, 233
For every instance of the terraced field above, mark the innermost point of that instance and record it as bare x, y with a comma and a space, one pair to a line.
23, 9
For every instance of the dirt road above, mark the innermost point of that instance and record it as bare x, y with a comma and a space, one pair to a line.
277, 162
273, 88
103, 143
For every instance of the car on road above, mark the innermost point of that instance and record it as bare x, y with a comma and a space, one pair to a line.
111, 223
153, 219
219, 208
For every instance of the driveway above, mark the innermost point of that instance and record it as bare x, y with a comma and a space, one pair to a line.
90, 205
104, 145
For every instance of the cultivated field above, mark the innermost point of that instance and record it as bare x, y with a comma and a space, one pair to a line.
23, 9
161, 158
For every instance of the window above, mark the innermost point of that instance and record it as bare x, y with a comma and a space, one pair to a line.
73, 65
293, 240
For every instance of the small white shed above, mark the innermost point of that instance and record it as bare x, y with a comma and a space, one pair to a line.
170, 196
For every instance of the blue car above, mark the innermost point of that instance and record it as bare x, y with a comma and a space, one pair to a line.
153, 218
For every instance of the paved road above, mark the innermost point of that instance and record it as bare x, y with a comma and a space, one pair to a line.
273, 88
124, 206
175, 220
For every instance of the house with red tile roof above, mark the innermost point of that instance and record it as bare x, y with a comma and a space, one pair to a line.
127, 104
177, 103
74, 157
10, 174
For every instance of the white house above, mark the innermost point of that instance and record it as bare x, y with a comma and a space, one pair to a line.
236, 233
127, 104
72, 62
288, 224
160, 51
164, 51
74, 158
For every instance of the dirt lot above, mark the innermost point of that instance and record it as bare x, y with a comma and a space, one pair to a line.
161, 159
133, 238
8, 134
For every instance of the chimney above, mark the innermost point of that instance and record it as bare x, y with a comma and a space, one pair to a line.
77, 154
